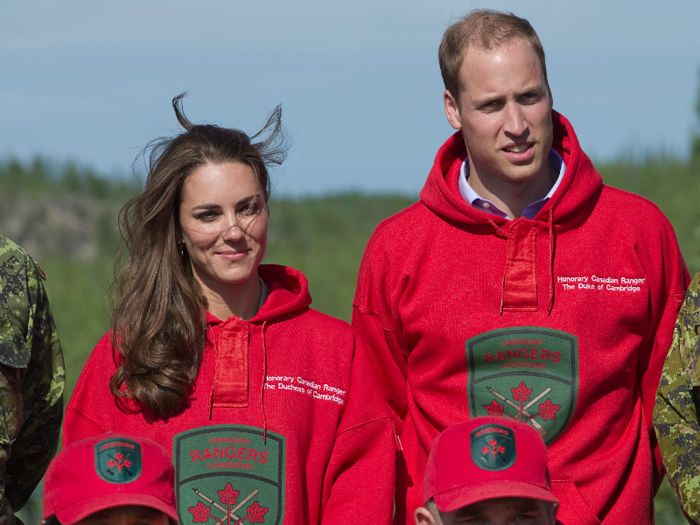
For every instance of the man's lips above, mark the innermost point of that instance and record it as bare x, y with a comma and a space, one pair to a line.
519, 152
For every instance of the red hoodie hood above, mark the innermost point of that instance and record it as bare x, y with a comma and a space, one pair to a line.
581, 182
288, 292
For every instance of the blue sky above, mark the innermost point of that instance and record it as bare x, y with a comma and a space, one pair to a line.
358, 81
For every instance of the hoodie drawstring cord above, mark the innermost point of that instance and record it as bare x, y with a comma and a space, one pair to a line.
215, 342
502, 232
551, 261
264, 378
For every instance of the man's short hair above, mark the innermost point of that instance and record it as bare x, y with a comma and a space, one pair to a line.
483, 29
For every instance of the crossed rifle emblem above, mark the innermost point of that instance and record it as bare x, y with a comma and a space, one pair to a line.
232, 514
523, 409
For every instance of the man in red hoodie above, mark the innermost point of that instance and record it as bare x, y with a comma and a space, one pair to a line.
521, 286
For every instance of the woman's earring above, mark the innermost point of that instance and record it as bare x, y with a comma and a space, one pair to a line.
181, 245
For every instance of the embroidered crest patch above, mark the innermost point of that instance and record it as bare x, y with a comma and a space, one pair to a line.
227, 474
118, 460
493, 447
528, 374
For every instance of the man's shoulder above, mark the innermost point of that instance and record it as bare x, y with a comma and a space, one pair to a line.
630, 205
400, 228
12, 256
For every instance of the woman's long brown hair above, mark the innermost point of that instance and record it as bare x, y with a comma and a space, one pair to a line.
158, 316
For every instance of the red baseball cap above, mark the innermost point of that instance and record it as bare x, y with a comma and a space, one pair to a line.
105, 471
486, 458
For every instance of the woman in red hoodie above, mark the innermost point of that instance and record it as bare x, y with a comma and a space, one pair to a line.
271, 409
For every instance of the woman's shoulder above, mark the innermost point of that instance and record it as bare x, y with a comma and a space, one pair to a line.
103, 358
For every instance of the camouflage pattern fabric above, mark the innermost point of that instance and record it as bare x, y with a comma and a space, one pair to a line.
32, 376
676, 418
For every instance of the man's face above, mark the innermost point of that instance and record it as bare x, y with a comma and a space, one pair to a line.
126, 515
504, 112
501, 511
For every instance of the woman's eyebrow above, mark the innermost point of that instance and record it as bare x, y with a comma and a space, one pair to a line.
246, 200
206, 207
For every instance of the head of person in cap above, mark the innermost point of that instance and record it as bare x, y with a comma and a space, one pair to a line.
488, 470
110, 479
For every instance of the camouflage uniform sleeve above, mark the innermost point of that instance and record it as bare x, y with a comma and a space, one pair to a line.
31, 380
676, 413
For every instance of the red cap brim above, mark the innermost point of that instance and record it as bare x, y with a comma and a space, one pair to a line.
83, 508
470, 493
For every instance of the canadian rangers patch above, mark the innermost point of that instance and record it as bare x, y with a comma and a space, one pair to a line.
528, 374
118, 460
493, 447
227, 475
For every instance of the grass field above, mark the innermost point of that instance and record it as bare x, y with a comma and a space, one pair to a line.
324, 237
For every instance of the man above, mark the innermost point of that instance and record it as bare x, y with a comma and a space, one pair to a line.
112, 479
32, 377
677, 402
521, 286
487, 470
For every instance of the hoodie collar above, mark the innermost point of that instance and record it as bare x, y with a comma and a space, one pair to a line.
288, 291
578, 185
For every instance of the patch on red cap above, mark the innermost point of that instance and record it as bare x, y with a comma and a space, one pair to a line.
118, 460
493, 447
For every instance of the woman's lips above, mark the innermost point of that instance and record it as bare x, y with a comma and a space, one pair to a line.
233, 256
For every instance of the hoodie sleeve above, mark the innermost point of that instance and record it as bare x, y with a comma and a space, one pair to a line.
668, 280
372, 319
676, 411
360, 477
91, 402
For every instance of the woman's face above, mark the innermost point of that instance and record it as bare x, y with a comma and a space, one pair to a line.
223, 220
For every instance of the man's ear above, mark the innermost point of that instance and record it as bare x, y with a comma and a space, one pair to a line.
424, 517
451, 110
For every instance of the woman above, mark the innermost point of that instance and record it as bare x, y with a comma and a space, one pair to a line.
270, 408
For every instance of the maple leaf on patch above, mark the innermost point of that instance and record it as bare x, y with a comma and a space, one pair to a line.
228, 495
200, 512
119, 455
111, 463
127, 463
256, 513
494, 409
548, 410
522, 393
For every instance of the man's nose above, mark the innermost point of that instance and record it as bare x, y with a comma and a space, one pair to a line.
515, 123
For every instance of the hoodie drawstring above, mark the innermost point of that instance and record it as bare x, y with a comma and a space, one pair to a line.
502, 232
215, 342
264, 379
551, 261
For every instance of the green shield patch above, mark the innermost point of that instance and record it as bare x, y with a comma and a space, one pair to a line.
118, 460
227, 474
527, 373
493, 447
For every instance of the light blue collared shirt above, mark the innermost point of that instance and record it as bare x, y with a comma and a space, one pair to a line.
553, 159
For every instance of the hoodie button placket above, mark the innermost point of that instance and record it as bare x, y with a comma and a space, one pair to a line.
520, 276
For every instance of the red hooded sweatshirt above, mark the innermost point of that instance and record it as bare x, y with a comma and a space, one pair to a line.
285, 423
562, 321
